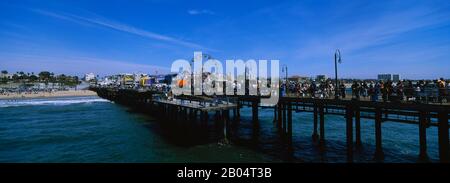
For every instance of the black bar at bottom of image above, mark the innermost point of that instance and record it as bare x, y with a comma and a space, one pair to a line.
225, 172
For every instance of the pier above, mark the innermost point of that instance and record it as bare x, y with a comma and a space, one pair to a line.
198, 108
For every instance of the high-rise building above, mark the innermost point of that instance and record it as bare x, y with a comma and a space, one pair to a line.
384, 77
396, 78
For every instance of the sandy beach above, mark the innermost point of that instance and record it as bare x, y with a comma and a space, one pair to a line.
71, 93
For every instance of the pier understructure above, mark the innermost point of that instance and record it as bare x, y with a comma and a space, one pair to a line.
198, 109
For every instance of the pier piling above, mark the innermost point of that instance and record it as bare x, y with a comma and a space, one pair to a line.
423, 156
444, 155
289, 124
322, 126
284, 118
349, 132
275, 109
280, 116
315, 136
358, 127
255, 113
379, 155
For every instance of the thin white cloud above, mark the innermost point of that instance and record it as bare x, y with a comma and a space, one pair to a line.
200, 12
75, 65
362, 35
121, 27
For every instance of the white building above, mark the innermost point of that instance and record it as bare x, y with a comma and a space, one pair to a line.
89, 76
8, 76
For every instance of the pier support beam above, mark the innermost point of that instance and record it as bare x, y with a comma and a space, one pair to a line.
204, 119
284, 118
217, 117
379, 155
225, 117
255, 113
280, 116
175, 111
444, 153
349, 126
322, 126
423, 156
185, 113
275, 114
315, 136
358, 143
238, 112
289, 133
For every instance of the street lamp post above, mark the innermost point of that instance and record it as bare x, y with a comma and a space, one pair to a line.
337, 59
246, 84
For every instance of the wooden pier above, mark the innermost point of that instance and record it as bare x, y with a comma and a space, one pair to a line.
190, 107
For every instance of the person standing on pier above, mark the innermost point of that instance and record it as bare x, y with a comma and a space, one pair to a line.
383, 91
342, 90
364, 89
377, 91
442, 89
356, 90
400, 90
371, 92
409, 90
313, 89
389, 88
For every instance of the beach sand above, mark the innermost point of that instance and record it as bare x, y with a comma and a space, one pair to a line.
48, 95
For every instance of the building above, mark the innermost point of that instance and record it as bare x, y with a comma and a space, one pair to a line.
396, 77
169, 77
160, 78
127, 79
384, 77
299, 79
89, 77
146, 81
7, 76
138, 77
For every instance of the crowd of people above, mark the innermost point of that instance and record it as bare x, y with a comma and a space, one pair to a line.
406, 90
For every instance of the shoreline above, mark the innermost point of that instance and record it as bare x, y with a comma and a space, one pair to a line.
71, 93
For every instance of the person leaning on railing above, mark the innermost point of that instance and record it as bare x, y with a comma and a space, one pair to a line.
448, 91
442, 89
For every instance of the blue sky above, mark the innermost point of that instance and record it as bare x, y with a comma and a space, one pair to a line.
411, 38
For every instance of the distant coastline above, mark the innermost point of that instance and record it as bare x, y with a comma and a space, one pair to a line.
41, 94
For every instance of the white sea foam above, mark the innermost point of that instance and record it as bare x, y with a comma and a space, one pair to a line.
49, 101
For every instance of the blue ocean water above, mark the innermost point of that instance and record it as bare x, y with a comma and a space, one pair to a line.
91, 129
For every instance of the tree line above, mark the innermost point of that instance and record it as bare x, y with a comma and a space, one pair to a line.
41, 77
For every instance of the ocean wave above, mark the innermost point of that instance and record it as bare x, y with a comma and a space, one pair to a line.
48, 101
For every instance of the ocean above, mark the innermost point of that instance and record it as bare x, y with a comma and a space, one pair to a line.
94, 130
